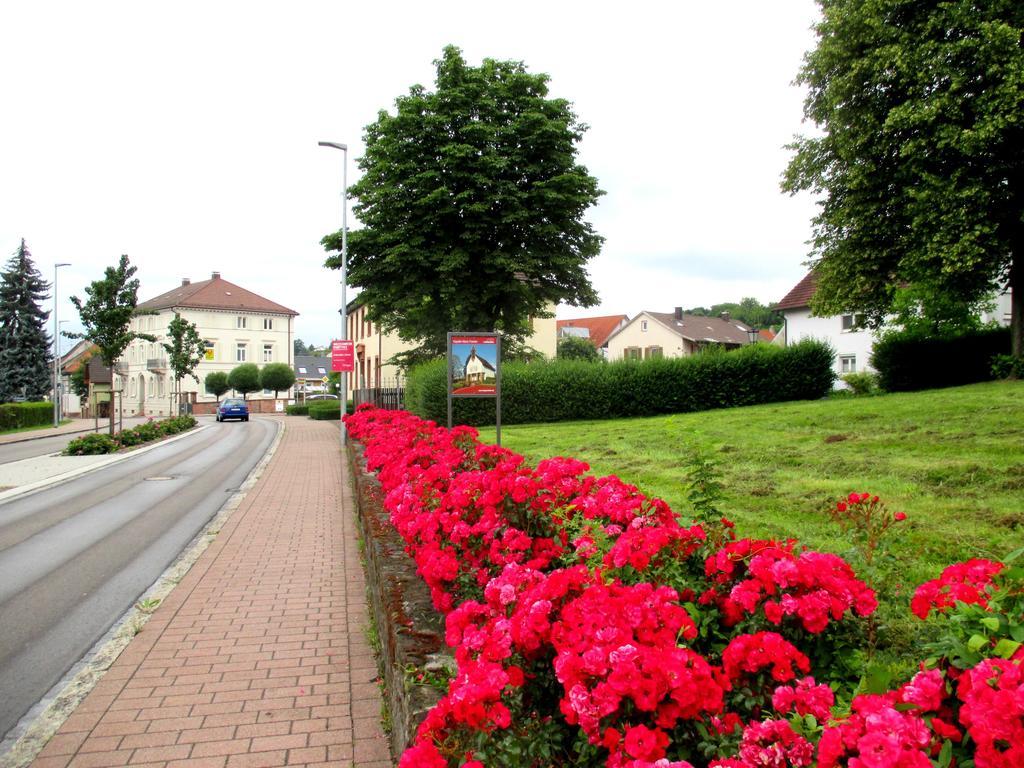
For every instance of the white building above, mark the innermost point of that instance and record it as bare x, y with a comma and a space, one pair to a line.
853, 344
237, 326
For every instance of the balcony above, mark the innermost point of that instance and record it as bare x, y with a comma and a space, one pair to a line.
157, 364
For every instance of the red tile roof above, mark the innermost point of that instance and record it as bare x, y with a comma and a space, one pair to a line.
801, 294
766, 334
600, 328
215, 293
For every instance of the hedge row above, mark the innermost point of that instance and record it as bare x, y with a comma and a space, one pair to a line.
907, 361
565, 390
21, 415
298, 409
328, 410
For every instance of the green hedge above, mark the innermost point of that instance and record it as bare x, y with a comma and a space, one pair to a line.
137, 435
907, 361
568, 390
329, 410
298, 409
21, 415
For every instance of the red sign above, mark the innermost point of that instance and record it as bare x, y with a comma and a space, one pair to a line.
343, 357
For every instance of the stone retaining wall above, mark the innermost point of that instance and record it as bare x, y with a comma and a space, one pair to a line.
411, 632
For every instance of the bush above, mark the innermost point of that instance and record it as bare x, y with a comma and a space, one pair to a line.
299, 409
908, 361
91, 445
326, 411
565, 390
21, 415
863, 383
1007, 367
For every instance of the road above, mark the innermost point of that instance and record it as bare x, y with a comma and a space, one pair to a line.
75, 557
41, 446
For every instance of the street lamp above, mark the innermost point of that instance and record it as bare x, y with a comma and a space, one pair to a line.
752, 335
56, 345
344, 273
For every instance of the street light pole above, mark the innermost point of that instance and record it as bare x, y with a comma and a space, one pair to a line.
344, 275
56, 346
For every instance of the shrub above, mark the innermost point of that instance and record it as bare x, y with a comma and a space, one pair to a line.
244, 379
565, 390
298, 409
908, 361
578, 348
1007, 367
863, 383
20, 415
91, 445
325, 411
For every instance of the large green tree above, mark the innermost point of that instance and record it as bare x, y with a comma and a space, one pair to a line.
749, 310
277, 376
185, 349
472, 205
244, 379
107, 314
920, 162
24, 344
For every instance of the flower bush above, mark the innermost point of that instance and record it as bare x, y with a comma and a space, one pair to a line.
591, 626
126, 438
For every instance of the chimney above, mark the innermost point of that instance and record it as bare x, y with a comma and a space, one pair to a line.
726, 316
216, 276
185, 281
679, 313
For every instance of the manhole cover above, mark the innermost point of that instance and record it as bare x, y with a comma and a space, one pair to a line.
160, 477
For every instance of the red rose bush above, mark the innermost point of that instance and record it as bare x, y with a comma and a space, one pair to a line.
591, 626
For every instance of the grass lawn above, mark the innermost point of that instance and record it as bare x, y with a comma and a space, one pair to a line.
952, 459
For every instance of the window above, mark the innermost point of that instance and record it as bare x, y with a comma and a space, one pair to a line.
208, 351
302, 369
240, 353
240, 322
853, 322
643, 326
632, 353
268, 323
848, 363
653, 352
268, 353
323, 371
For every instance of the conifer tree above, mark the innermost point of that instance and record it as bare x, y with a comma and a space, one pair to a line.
24, 343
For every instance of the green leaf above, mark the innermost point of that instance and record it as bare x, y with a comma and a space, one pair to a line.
977, 642
1013, 555
945, 754
1005, 648
991, 623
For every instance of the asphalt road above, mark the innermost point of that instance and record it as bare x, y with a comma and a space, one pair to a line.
41, 446
75, 557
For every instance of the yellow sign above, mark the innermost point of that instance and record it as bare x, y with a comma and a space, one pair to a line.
324, 379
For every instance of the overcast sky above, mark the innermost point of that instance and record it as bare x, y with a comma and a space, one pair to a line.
185, 135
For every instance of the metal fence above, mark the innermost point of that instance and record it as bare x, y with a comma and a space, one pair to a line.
390, 395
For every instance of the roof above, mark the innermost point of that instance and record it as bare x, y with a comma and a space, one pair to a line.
801, 294
599, 328
312, 365
704, 329
215, 293
766, 334
72, 360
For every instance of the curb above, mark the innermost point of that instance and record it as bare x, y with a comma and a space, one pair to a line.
53, 710
23, 490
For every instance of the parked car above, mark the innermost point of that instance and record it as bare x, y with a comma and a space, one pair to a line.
233, 408
321, 397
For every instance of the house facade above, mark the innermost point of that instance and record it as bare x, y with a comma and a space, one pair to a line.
675, 334
310, 375
237, 326
374, 349
852, 343
596, 330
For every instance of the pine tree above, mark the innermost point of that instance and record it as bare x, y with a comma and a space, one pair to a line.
24, 344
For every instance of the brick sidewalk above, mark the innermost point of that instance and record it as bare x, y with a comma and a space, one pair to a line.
259, 656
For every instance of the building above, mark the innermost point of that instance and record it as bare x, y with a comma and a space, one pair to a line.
71, 404
373, 349
310, 375
597, 330
237, 326
852, 342
477, 370
660, 334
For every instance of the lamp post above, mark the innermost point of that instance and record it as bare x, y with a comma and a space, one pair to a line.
752, 335
344, 273
56, 345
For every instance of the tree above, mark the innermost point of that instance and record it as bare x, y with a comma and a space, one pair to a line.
217, 384
577, 348
277, 376
300, 347
244, 379
24, 344
184, 352
920, 165
472, 206
107, 315
749, 311
77, 380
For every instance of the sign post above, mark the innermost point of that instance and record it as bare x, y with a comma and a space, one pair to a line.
343, 359
474, 370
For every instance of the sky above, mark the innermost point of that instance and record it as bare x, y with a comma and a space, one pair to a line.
185, 135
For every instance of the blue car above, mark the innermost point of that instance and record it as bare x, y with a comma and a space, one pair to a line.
233, 408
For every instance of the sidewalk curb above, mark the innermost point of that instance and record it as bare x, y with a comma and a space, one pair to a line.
23, 490
52, 710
